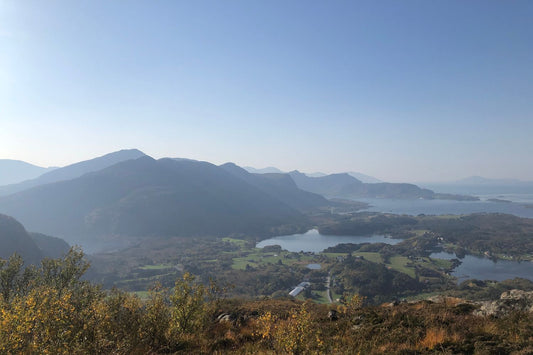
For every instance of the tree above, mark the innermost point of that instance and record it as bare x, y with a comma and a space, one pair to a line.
189, 304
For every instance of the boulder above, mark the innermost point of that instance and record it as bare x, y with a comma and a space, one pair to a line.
510, 301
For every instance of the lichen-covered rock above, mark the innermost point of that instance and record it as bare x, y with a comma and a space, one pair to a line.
510, 301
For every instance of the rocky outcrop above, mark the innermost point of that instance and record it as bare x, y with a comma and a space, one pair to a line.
510, 301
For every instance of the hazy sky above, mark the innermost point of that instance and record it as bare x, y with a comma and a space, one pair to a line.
401, 90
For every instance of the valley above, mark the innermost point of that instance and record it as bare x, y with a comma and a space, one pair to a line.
263, 246
382, 272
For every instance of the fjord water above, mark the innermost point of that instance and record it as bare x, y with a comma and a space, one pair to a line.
313, 241
521, 208
475, 267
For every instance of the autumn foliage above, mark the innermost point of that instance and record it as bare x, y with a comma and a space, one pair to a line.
50, 309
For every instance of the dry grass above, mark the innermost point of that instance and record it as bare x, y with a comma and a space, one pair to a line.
434, 337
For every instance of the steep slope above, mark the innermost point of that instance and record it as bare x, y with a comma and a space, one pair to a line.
74, 170
145, 197
51, 247
364, 178
281, 187
334, 185
15, 239
15, 171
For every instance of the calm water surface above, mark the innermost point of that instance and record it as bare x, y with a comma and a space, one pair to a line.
475, 267
439, 207
315, 242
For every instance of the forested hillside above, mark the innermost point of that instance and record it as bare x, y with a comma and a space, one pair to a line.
145, 197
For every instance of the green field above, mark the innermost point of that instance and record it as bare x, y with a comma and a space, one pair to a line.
156, 267
399, 263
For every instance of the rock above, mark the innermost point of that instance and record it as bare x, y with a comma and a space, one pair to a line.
510, 301
390, 305
226, 318
332, 315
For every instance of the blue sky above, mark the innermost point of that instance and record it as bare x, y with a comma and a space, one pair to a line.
401, 90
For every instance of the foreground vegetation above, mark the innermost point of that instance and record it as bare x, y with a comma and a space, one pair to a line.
50, 309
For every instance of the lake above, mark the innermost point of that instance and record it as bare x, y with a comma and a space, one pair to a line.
475, 267
440, 207
472, 267
315, 242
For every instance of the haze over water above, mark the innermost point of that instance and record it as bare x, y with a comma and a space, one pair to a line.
441, 207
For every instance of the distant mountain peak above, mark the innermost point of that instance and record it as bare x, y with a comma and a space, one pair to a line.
364, 178
316, 174
75, 170
267, 170
15, 171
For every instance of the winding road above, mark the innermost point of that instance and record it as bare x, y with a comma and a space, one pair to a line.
328, 290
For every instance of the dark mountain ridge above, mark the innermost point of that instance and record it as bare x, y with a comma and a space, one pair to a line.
280, 186
165, 197
15, 239
31, 246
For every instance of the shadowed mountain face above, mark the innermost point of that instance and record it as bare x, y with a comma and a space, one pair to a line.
15, 171
51, 247
31, 246
15, 239
74, 170
144, 197
279, 186
334, 185
345, 185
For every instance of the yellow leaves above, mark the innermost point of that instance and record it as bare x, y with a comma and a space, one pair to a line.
40, 320
352, 304
265, 325
295, 334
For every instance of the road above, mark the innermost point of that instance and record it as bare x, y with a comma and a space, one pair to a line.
328, 291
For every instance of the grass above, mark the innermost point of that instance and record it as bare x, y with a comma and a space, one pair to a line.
148, 278
370, 256
239, 242
322, 297
334, 255
399, 263
441, 263
156, 267
240, 263
256, 258
420, 232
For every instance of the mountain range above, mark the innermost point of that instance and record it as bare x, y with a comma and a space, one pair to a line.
362, 177
14, 171
267, 170
127, 194
144, 196
73, 171
346, 186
